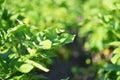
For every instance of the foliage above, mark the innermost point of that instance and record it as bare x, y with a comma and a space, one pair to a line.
24, 48
48, 13
100, 22
101, 26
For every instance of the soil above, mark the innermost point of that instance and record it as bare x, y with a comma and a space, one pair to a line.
61, 69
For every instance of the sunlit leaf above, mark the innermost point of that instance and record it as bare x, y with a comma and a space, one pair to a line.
115, 44
37, 65
116, 55
25, 68
46, 44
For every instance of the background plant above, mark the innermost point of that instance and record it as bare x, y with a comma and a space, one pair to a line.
48, 13
102, 27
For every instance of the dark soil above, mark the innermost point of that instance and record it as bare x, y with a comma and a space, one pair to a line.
61, 69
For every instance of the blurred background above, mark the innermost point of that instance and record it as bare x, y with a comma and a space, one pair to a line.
95, 24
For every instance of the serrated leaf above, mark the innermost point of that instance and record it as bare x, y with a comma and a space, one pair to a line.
25, 68
37, 65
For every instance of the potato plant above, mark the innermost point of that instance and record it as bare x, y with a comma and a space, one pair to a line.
24, 48
101, 26
48, 13
31, 32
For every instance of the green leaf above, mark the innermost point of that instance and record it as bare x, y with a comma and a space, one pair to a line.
25, 68
111, 75
116, 51
37, 65
117, 43
112, 67
50, 33
116, 56
66, 38
46, 44
16, 29
21, 77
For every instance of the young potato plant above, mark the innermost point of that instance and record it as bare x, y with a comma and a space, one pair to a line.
102, 27
23, 48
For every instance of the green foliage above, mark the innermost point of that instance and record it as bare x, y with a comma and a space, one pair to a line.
23, 48
101, 27
48, 13
101, 23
